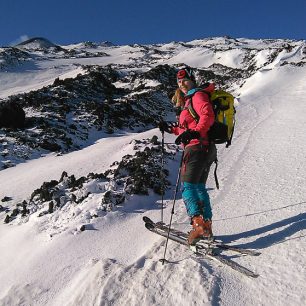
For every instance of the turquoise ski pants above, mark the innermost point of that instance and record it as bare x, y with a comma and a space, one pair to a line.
196, 200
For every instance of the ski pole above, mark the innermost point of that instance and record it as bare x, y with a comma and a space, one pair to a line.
162, 177
172, 211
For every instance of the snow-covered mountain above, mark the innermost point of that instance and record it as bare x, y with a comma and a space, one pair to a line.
81, 164
38, 44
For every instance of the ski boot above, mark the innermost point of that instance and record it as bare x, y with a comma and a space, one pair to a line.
201, 230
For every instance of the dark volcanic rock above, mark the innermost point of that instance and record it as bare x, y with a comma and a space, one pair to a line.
11, 115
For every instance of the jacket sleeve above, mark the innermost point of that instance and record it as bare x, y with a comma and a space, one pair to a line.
201, 104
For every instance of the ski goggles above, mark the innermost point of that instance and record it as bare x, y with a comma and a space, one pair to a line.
183, 74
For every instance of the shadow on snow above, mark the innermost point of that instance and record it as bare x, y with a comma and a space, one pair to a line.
287, 228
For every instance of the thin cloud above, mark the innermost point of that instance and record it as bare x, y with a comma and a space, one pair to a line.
19, 40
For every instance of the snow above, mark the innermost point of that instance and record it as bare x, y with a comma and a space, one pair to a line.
293, 56
260, 205
34, 76
203, 58
265, 192
262, 57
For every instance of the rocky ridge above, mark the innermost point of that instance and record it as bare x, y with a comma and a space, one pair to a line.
86, 198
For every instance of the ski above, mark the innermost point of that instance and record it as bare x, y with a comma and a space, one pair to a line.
200, 250
204, 242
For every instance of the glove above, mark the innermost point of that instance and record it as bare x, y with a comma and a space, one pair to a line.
186, 137
166, 126
163, 126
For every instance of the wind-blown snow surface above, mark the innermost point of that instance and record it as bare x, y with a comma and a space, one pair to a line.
261, 205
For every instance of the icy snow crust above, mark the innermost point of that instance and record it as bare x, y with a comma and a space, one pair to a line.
261, 204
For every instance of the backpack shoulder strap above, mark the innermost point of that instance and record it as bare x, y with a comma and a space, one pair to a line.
191, 110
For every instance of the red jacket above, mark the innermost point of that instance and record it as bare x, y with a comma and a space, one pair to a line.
202, 105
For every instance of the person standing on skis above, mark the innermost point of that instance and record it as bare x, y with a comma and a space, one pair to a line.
199, 153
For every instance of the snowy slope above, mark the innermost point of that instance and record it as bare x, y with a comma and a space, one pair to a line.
48, 260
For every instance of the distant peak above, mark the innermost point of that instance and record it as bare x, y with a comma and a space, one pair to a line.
37, 43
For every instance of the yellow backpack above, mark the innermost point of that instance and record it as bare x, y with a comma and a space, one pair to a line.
223, 128
223, 105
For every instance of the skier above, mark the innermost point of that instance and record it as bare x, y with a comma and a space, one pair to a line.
199, 153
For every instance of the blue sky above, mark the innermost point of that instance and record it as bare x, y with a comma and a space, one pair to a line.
144, 22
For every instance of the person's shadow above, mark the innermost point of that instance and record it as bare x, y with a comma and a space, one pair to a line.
287, 228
